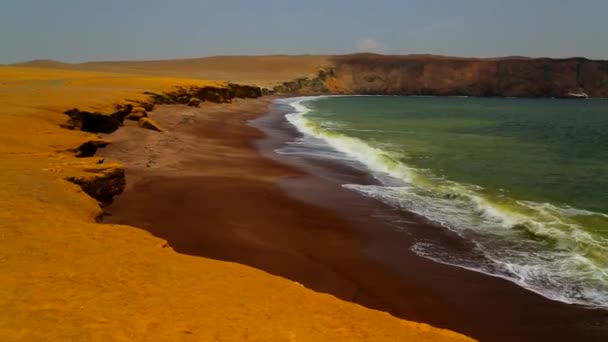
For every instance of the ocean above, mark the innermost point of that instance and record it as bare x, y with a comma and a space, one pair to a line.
525, 181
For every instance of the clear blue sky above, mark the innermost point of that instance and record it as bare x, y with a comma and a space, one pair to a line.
82, 30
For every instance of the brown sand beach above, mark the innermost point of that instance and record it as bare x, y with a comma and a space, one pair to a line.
213, 187
215, 209
66, 277
164, 176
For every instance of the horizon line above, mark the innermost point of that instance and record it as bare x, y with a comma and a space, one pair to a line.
428, 55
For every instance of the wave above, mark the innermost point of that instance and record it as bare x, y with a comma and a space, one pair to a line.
539, 246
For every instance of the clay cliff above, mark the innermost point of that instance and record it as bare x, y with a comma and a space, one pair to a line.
436, 75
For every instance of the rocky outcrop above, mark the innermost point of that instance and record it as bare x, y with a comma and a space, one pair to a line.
321, 84
146, 105
137, 113
184, 95
89, 148
102, 182
150, 124
245, 91
95, 122
443, 76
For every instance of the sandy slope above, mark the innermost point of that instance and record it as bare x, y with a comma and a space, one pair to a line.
383, 74
260, 70
65, 277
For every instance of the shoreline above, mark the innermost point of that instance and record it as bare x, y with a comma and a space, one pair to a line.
231, 198
318, 142
66, 276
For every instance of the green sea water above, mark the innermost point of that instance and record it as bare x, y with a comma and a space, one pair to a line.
525, 179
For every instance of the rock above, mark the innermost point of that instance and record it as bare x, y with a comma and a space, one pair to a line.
89, 148
194, 102
137, 113
102, 182
306, 85
148, 123
97, 122
159, 98
245, 91
191, 95
148, 106
214, 94
369, 74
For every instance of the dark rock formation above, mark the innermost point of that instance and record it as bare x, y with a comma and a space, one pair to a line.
245, 91
307, 85
97, 122
102, 183
435, 75
89, 148
182, 95
137, 113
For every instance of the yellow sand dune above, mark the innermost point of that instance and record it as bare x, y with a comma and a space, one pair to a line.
261, 70
64, 277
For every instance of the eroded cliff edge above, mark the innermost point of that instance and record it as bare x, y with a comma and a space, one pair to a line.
372, 74
66, 277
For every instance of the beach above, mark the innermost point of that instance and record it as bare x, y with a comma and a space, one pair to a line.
212, 186
321, 171
65, 276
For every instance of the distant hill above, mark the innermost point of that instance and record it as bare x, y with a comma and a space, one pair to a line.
368, 73
261, 70
43, 63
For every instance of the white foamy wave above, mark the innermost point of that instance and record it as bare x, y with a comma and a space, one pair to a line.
536, 245
374, 158
522, 275
561, 261
370, 130
564, 210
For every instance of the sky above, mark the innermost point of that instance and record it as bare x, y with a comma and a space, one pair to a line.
85, 30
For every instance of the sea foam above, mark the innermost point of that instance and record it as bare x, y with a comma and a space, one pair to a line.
535, 245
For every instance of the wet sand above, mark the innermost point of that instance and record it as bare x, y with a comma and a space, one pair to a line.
213, 187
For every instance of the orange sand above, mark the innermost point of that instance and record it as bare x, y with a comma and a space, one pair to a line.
64, 277
260, 70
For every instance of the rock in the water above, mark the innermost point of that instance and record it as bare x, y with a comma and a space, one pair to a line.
137, 113
194, 102
148, 123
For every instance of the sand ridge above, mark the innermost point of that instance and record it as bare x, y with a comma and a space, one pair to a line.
65, 277
260, 70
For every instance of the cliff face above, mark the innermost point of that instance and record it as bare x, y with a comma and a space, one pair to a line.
379, 74
435, 75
